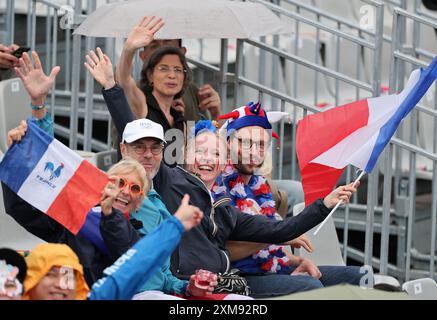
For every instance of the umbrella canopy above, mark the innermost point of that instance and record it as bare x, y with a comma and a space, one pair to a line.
192, 19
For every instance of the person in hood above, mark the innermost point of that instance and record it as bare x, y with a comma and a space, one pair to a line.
54, 273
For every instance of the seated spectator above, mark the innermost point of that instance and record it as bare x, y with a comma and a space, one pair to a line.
125, 194
166, 75
13, 270
249, 135
131, 178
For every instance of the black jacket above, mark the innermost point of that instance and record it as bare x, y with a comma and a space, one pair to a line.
204, 246
155, 114
116, 230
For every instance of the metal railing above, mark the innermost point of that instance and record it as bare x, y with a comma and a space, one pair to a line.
403, 54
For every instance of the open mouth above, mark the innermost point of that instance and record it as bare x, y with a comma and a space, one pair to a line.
121, 203
58, 295
206, 168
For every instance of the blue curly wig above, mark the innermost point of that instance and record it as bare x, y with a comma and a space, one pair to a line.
204, 125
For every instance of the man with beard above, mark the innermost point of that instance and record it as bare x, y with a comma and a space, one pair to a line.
249, 134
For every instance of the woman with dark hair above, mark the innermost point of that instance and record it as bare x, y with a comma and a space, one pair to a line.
163, 79
196, 102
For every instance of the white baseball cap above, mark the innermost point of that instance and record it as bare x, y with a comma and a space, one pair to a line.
142, 128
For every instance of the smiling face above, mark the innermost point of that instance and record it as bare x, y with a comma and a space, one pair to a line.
248, 148
55, 286
126, 200
167, 76
210, 157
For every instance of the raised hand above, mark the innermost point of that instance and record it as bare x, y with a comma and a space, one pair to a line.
341, 193
109, 194
189, 216
100, 67
16, 134
143, 33
36, 82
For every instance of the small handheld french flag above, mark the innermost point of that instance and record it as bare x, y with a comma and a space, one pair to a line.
52, 178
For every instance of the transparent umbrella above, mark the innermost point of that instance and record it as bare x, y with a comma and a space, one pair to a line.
192, 19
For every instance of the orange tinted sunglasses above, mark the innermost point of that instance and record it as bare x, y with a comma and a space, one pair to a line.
134, 189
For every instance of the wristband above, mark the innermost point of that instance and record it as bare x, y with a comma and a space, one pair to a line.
34, 107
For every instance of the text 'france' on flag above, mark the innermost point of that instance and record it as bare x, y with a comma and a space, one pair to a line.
52, 178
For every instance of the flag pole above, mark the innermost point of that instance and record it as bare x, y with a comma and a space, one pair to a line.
338, 204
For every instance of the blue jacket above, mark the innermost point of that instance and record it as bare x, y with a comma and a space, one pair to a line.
152, 213
125, 277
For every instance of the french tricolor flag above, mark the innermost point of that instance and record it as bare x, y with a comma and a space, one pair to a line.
355, 133
52, 178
